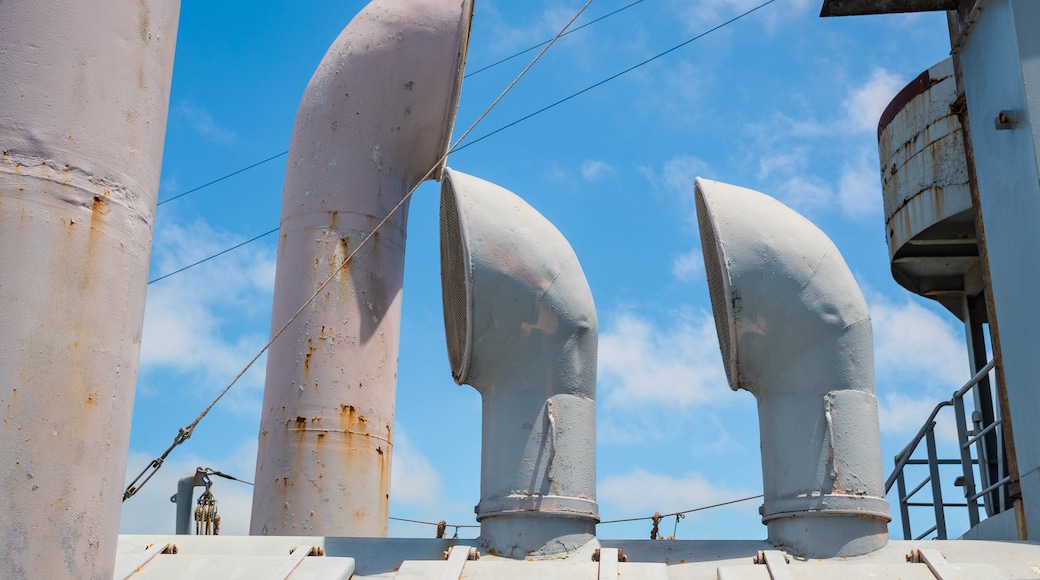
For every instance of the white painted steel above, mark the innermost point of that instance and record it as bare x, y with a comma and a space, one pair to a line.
924, 172
794, 331
296, 557
249, 557
375, 118
776, 563
1000, 61
129, 567
456, 564
84, 91
522, 330
929, 222
609, 563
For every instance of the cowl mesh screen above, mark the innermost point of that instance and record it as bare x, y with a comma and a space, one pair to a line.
453, 280
716, 285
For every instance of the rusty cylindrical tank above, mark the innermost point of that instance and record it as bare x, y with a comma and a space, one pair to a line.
83, 103
374, 120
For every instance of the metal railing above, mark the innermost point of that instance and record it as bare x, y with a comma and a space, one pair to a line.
994, 489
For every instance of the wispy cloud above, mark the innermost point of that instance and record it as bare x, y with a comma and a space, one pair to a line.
509, 35
805, 194
865, 103
594, 170
677, 174
859, 188
417, 492
191, 319
688, 266
202, 122
700, 15
414, 482
641, 364
640, 492
914, 345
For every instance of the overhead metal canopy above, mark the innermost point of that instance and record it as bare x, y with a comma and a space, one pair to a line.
861, 7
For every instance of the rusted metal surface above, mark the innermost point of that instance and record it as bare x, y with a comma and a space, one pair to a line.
374, 120
862, 7
83, 107
929, 220
999, 73
522, 330
795, 332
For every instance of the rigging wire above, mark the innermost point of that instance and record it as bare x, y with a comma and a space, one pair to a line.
624, 72
683, 513
657, 517
478, 71
502, 128
220, 253
219, 179
575, 29
184, 433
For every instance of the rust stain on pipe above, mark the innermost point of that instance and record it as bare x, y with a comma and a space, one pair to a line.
358, 147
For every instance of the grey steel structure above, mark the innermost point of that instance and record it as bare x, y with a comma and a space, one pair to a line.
822, 483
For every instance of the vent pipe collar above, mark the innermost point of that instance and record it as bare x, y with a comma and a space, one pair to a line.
794, 331
521, 329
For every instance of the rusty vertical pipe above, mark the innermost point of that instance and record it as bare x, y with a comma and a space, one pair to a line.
83, 106
376, 117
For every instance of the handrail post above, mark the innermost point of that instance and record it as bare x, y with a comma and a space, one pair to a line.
904, 510
966, 465
933, 468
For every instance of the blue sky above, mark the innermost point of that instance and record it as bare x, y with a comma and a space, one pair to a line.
781, 101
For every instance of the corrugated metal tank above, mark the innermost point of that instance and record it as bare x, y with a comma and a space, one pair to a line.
929, 221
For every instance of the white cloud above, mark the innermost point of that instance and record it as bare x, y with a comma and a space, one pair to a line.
417, 493
414, 482
642, 492
508, 35
805, 194
593, 170
192, 320
677, 175
864, 104
858, 112
688, 266
786, 161
641, 364
916, 346
859, 189
903, 415
202, 122
701, 15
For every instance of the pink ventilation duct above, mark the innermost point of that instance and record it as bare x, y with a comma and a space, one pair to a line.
84, 92
521, 328
375, 120
795, 332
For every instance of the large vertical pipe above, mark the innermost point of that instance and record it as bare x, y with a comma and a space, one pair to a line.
83, 102
795, 332
521, 328
374, 121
